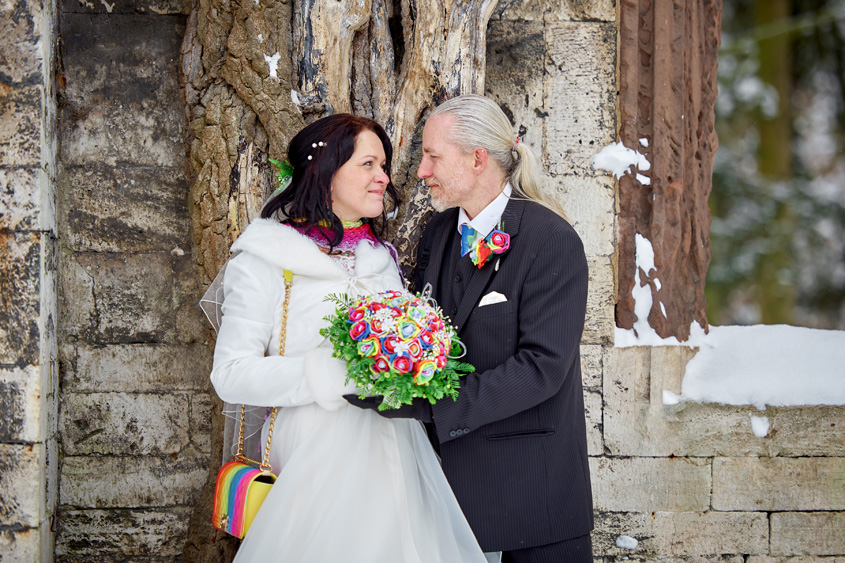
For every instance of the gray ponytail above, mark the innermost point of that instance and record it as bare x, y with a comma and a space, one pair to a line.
480, 122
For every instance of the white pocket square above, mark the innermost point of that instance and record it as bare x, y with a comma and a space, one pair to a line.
491, 298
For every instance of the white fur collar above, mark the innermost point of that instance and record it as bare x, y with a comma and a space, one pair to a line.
284, 247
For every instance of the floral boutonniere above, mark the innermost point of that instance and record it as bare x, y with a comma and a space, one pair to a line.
481, 249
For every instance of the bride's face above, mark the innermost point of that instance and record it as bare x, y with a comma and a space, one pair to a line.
359, 184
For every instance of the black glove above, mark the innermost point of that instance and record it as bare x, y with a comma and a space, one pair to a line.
419, 409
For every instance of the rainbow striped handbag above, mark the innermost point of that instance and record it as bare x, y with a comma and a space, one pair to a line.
241, 487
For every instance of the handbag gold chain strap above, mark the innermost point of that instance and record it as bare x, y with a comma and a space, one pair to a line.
265, 462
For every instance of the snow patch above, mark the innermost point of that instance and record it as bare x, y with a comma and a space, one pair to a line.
760, 426
273, 63
670, 398
294, 97
618, 159
761, 365
626, 542
642, 334
644, 142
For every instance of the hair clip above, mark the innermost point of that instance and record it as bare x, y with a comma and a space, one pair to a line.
315, 145
515, 143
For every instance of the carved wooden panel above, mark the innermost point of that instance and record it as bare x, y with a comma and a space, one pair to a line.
667, 79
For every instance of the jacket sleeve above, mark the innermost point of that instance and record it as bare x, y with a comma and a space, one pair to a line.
242, 372
550, 320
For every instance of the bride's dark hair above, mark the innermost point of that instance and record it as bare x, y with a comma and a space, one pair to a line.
329, 142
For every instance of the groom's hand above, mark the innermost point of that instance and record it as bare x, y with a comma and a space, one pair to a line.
419, 409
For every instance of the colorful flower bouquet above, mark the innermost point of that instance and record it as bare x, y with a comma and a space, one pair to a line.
397, 345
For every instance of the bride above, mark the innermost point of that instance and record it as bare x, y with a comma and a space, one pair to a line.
352, 486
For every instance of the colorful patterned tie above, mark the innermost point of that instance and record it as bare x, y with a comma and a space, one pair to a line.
468, 238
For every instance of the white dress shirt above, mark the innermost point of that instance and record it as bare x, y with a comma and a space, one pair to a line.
490, 216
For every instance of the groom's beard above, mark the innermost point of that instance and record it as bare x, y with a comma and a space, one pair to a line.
441, 203
450, 194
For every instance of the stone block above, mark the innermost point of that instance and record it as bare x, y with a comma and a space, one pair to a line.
555, 10
650, 484
688, 559
808, 533
114, 535
637, 423
590, 204
514, 77
592, 407
191, 324
20, 289
129, 209
682, 534
118, 71
21, 404
600, 323
799, 559
21, 545
136, 368
201, 415
21, 29
131, 481
580, 10
21, 483
151, 7
111, 298
20, 199
124, 423
779, 484
580, 91
591, 366
517, 11
20, 126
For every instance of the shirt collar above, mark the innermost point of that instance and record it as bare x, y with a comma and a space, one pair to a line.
490, 216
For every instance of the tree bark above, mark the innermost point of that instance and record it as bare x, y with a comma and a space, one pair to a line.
774, 291
239, 64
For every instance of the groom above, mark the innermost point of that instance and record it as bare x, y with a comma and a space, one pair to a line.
512, 276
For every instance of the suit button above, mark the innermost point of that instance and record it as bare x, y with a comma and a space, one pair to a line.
459, 432
466, 430
452, 434
458, 278
454, 311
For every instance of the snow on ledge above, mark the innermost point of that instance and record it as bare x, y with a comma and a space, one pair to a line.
761, 365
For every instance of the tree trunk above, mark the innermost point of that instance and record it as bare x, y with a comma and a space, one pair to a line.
775, 291
240, 62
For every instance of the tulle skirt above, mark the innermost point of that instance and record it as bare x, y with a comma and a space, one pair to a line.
356, 487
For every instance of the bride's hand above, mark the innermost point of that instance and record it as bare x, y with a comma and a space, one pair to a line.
326, 376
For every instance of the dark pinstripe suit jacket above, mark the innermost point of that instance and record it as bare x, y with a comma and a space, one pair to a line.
513, 446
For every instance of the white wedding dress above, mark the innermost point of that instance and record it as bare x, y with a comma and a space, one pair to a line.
352, 485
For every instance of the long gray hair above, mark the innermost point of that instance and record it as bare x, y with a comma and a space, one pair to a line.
480, 122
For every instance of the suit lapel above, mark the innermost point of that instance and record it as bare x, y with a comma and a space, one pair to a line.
511, 218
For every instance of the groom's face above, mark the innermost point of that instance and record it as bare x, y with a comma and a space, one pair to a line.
446, 169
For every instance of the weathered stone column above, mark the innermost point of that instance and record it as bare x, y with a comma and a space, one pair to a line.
28, 378
135, 407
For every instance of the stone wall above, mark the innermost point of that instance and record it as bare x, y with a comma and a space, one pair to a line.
135, 413
28, 377
690, 482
